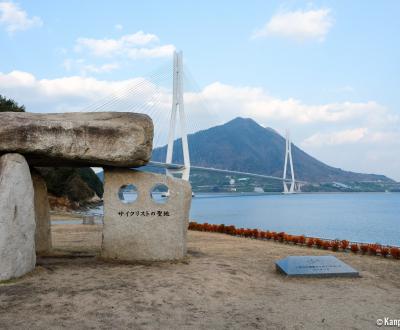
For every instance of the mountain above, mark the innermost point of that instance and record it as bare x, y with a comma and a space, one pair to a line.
243, 145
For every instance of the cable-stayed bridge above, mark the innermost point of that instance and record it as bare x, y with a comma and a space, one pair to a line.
153, 96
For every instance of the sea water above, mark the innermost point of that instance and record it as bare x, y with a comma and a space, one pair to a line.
357, 217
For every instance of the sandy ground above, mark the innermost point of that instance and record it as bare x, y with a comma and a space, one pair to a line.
225, 283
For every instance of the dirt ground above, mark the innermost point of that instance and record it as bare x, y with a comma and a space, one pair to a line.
225, 283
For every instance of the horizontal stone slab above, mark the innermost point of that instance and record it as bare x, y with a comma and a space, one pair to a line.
119, 139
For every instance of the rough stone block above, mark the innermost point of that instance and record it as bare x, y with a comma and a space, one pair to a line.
17, 218
144, 230
120, 139
42, 215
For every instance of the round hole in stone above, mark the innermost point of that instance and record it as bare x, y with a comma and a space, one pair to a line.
127, 193
159, 193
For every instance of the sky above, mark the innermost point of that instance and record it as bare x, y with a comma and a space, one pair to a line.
328, 71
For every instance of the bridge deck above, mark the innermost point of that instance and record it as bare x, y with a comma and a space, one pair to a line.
178, 167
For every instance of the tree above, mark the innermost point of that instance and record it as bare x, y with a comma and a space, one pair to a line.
7, 105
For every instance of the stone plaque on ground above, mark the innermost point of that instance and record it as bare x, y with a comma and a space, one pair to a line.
318, 266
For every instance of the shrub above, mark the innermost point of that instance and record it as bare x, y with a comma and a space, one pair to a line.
310, 242
354, 248
344, 244
395, 252
246, 232
280, 236
318, 243
221, 228
384, 252
326, 245
255, 233
364, 248
335, 245
374, 249
230, 230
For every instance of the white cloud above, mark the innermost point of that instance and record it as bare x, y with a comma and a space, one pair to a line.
118, 27
13, 18
45, 95
85, 68
298, 25
136, 45
229, 101
104, 68
256, 103
343, 134
349, 136
335, 138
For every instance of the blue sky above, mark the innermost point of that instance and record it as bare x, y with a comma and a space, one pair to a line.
327, 70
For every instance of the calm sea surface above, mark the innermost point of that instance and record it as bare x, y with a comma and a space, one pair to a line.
363, 217
360, 217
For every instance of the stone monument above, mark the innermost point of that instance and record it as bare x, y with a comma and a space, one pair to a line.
42, 215
145, 229
17, 218
120, 139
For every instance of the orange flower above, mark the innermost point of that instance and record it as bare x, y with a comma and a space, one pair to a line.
310, 242
302, 239
344, 244
354, 248
384, 252
326, 245
335, 245
364, 248
395, 252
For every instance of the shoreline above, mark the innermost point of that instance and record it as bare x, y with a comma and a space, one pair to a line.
244, 194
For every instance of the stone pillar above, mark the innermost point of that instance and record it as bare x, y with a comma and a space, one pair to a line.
17, 218
42, 215
144, 230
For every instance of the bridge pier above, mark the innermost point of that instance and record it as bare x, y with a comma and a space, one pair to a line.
289, 187
178, 105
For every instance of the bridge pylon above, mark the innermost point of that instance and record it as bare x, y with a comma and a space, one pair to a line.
178, 106
289, 186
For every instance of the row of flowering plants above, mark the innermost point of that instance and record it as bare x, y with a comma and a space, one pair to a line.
334, 245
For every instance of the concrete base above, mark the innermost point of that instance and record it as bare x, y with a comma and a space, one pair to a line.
144, 230
42, 215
